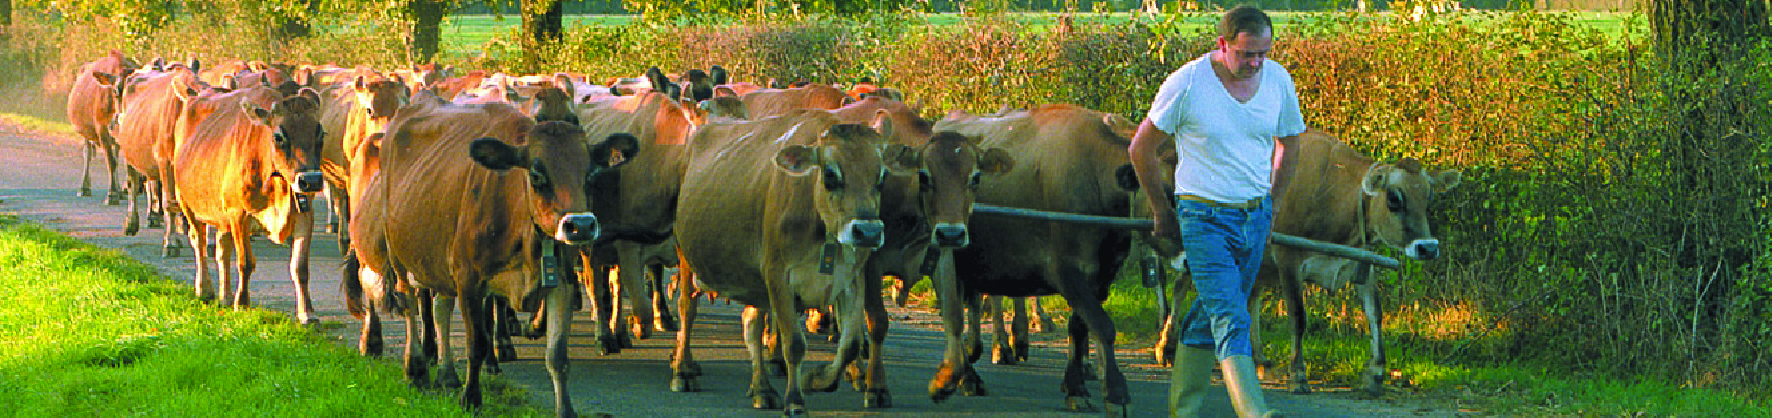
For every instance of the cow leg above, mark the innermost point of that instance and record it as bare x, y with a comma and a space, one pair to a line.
169, 220
971, 384
505, 325
632, 277
956, 363
1292, 290
684, 369
244, 262
298, 269
874, 305
662, 319
1000, 353
132, 222
370, 342
851, 326
793, 343
114, 194
1076, 369
1376, 373
442, 312
597, 280
558, 310
156, 205
86, 171
1169, 337
762, 394
474, 319
1086, 306
416, 364
206, 288
1040, 316
224, 253
423, 304
1018, 336
175, 215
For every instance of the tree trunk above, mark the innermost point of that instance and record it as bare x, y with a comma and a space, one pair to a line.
292, 27
427, 32
543, 20
5, 21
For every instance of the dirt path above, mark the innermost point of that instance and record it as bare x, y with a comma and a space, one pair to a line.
39, 174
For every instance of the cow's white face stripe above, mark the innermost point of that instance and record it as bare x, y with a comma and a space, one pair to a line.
1413, 250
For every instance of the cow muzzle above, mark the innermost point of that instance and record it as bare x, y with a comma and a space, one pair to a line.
864, 233
578, 228
951, 236
1423, 249
309, 182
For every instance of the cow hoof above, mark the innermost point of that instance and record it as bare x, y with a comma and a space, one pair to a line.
84, 192
1001, 355
877, 398
448, 379
332, 227
154, 221
169, 251
1117, 411
821, 380
113, 200
794, 411
1163, 358
767, 399
507, 352
370, 348
1021, 351
626, 341
1089, 373
607, 345
1078, 404
131, 228
973, 385
665, 324
491, 367
684, 384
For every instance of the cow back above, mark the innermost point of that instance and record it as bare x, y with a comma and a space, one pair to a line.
772, 102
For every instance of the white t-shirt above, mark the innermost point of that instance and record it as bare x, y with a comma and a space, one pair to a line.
1225, 147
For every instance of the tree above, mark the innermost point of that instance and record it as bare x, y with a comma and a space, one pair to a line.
427, 22
543, 20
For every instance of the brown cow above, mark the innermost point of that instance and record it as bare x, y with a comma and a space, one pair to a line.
645, 211
471, 227
146, 138
799, 219
93, 100
772, 102
354, 111
1332, 193
254, 162
1068, 159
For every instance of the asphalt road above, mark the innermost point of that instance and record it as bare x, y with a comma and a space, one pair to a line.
40, 173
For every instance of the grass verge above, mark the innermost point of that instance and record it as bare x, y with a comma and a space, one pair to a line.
91, 332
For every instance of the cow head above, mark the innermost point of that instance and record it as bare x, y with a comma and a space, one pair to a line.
295, 138
554, 103
852, 167
952, 166
380, 100
561, 169
1398, 197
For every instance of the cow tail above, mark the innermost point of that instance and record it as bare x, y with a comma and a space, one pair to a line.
352, 285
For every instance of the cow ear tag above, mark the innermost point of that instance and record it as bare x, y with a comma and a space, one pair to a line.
827, 262
1153, 271
550, 267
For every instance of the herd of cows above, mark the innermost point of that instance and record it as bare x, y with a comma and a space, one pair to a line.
490, 193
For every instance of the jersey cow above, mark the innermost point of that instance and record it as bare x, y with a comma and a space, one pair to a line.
811, 199
146, 138
254, 162
1333, 193
484, 221
92, 102
1068, 159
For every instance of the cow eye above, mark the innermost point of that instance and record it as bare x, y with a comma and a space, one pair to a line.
832, 181
1394, 201
976, 177
538, 179
279, 139
923, 179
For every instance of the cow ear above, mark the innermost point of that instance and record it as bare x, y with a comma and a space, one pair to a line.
797, 159
196, 66
564, 82
259, 114
1126, 177
104, 79
310, 94
902, 160
497, 155
616, 150
359, 83
1447, 179
995, 161
882, 123
1375, 180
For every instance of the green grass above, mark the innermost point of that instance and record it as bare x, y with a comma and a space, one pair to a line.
91, 332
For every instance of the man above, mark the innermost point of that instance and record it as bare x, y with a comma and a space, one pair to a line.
1223, 112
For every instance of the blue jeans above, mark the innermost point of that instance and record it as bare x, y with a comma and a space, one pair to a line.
1224, 247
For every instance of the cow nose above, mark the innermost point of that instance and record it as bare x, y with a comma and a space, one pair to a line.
951, 236
865, 234
309, 181
1426, 249
578, 228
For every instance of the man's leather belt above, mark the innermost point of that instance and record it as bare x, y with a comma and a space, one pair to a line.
1251, 204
